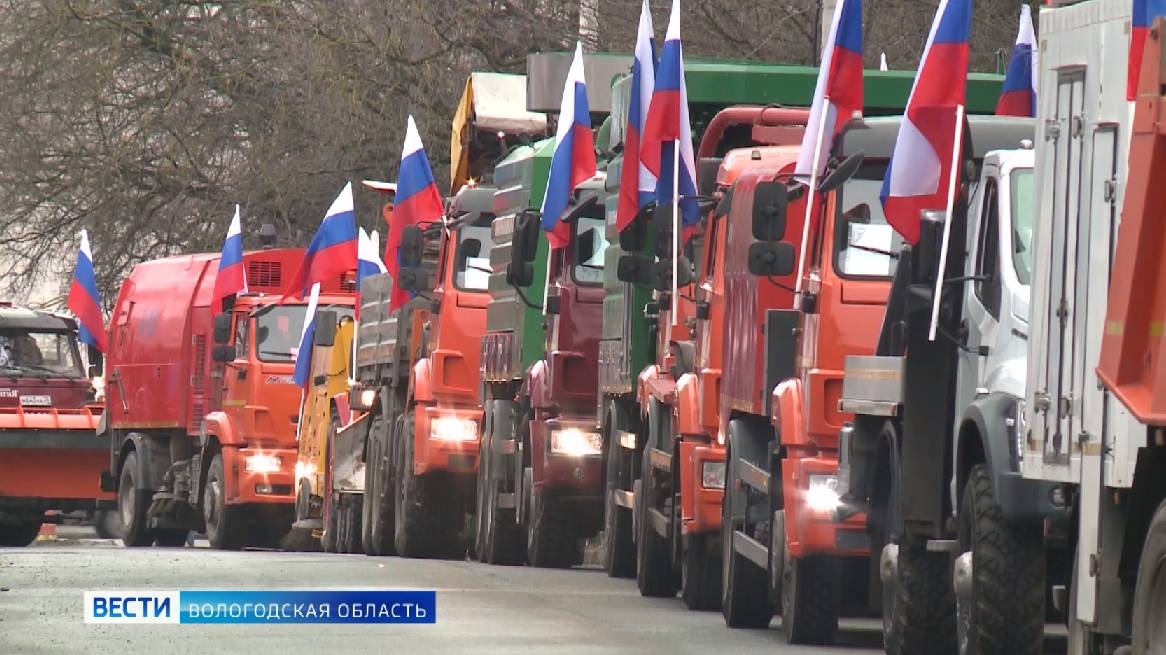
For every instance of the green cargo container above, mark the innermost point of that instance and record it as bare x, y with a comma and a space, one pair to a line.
521, 179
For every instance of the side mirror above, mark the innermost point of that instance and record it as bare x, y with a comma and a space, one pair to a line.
634, 236
319, 380
552, 305
726, 203
325, 334
525, 240
769, 204
635, 269
412, 247
222, 328
662, 274
519, 273
768, 258
96, 362
925, 255
843, 172
662, 218
413, 279
221, 354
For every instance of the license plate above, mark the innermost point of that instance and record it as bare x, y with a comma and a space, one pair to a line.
36, 401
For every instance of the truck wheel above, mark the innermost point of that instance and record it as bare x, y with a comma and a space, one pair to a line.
919, 606
347, 508
19, 534
426, 513
744, 591
225, 529
550, 533
809, 599
132, 504
1150, 590
700, 574
654, 573
1006, 611
331, 526
107, 523
377, 508
619, 550
499, 538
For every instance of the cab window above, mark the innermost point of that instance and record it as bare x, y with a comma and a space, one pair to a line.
473, 254
863, 235
590, 249
988, 251
242, 328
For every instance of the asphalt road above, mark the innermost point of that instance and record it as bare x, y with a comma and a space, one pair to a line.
481, 609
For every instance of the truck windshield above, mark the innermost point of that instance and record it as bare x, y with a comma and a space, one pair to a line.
1022, 217
278, 331
39, 353
862, 234
590, 248
473, 255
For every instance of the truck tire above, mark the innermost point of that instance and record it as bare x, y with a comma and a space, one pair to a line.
550, 532
499, 538
427, 518
377, 509
919, 607
1006, 613
331, 525
655, 575
347, 508
619, 549
700, 574
1150, 589
18, 535
132, 504
809, 599
744, 590
107, 524
225, 526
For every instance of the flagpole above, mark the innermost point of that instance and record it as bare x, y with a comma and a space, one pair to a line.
675, 224
810, 201
951, 189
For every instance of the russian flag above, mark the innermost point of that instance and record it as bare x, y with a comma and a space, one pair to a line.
573, 161
83, 300
1144, 13
307, 336
667, 122
918, 174
231, 278
332, 251
1018, 97
637, 185
418, 201
368, 262
838, 94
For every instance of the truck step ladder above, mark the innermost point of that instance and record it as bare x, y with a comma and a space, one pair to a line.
625, 498
754, 476
751, 549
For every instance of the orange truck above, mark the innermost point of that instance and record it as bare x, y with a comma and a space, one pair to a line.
50, 455
417, 373
680, 492
202, 406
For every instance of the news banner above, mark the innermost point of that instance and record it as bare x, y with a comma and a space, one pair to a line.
201, 607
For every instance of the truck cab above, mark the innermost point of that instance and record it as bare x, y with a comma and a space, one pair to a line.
50, 455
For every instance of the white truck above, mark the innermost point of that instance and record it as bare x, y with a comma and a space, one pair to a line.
1097, 311
935, 498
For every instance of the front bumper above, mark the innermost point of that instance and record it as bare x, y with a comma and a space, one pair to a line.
276, 488
811, 531
433, 454
582, 475
1026, 500
700, 506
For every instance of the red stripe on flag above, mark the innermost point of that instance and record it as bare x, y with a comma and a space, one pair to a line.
663, 124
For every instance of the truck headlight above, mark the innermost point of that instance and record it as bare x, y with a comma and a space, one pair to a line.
451, 428
262, 464
305, 470
368, 397
822, 496
574, 442
712, 475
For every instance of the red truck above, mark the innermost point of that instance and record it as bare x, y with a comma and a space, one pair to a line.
202, 406
50, 455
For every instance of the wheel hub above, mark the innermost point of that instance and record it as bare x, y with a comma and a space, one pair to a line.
889, 564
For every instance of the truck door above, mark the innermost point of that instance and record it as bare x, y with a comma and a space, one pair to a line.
1054, 402
982, 299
